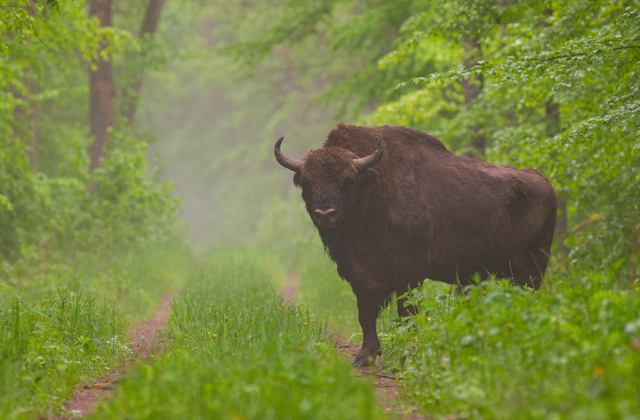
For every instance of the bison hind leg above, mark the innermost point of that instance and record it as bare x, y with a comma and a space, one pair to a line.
529, 266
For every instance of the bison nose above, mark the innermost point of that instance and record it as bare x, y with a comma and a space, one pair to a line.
325, 217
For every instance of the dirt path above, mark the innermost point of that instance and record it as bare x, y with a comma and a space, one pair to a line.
144, 342
290, 288
387, 385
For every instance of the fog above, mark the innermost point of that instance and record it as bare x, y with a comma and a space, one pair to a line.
215, 120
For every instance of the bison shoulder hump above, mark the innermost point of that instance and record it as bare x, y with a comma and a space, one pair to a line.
517, 189
361, 139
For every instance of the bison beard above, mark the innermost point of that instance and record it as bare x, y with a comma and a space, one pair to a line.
394, 207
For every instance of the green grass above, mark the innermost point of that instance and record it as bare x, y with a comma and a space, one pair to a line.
46, 347
327, 295
237, 351
66, 326
569, 351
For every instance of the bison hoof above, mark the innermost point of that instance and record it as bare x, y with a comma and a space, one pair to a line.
364, 360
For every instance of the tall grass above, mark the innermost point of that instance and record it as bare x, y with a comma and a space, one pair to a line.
238, 351
69, 326
48, 346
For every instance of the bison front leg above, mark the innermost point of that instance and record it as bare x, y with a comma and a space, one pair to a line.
368, 309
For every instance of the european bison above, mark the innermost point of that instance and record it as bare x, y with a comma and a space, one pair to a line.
393, 215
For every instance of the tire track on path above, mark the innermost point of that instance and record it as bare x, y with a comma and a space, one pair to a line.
387, 385
145, 341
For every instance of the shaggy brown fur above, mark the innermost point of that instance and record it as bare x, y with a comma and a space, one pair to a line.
423, 213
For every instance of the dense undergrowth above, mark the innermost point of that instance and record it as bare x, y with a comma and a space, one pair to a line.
82, 255
238, 351
569, 351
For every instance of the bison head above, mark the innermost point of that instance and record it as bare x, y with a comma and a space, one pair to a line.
332, 179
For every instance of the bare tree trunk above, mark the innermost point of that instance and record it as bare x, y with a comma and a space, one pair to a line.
552, 116
100, 90
148, 29
471, 87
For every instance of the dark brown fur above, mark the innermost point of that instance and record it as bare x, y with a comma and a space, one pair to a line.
423, 212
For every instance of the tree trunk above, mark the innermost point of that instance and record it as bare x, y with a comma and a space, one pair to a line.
552, 115
149, 27
100, 90
33, 155
471, 87
552, 111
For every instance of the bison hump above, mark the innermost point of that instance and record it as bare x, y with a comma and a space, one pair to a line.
361, 140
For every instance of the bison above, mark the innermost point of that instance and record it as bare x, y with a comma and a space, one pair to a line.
394, 207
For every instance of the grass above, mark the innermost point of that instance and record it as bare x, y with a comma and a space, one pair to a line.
569, 351
238, 352
68, 326
45, 348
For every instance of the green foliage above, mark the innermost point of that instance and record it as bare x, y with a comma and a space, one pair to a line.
52, 207
118, 206
68, 326
237, 351
225, 80
46, 347
65, 326
500, 351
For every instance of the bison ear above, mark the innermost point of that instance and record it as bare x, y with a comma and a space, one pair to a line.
367, 177
296, 179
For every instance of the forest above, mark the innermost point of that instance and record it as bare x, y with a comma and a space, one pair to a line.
137, 179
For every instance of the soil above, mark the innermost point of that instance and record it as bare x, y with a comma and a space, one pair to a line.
387, 384
289, 290
145, 341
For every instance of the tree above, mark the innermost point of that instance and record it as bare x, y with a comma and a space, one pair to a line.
101, 89
148, 29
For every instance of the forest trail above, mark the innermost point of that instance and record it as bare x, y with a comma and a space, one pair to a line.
387, 385
144, 342
290, 288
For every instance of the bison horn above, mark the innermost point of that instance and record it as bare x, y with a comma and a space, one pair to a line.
368, 161
294, 164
